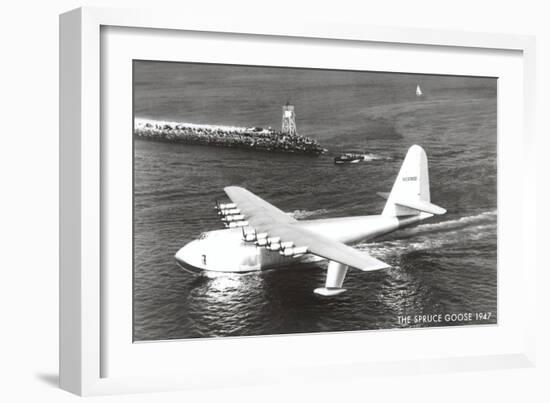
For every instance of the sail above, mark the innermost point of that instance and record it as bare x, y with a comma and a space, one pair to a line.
418, 91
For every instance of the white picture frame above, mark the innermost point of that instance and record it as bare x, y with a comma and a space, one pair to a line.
83, 177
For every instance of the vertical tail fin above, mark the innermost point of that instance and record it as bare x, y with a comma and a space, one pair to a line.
410, 193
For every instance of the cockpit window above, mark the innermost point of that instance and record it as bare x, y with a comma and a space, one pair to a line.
203, 235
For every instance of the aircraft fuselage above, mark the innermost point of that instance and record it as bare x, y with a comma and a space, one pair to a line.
225, 250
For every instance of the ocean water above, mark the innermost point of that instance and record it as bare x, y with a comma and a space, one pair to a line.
445, 265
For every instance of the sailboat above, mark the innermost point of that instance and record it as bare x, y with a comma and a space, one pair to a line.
418, 91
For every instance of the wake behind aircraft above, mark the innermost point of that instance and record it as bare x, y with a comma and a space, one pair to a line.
259, 236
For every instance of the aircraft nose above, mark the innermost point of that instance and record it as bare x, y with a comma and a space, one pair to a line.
187, 256
182, 255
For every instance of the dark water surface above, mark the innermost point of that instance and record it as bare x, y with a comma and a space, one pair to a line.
445, 265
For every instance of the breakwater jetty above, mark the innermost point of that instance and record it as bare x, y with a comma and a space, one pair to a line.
226, 136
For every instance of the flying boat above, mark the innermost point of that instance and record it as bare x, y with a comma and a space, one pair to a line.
260, 236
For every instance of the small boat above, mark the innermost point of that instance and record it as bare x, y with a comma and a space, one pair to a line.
349, 158
418, 91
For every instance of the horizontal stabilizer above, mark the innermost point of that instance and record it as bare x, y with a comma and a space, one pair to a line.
421, 205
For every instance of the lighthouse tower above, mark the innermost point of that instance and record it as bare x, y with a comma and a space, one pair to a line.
288, 125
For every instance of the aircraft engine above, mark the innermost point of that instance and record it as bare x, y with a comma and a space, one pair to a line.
287, 252
231, 211
225, 206
230, 218
274, 243
295, 251
261, 239
286, 246
249, 236
299, 251
236, 224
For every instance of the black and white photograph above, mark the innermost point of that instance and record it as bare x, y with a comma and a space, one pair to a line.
279, 200
275, 202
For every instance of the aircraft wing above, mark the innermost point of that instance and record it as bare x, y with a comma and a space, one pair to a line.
259, 213
327, 248
264, 217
